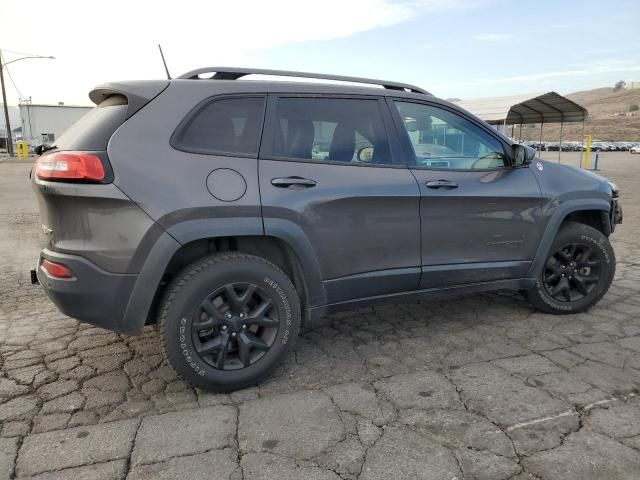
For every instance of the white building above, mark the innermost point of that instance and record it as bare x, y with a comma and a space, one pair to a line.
45, 123
14, 120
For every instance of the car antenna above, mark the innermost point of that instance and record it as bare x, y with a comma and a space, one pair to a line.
164, 62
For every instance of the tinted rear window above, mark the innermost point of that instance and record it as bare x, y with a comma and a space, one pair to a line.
93, 131
331, 129
225, 126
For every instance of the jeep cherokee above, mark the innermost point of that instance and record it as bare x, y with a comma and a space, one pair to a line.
233, 212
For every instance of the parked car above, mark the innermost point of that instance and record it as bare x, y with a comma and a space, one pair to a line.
232, 213
539, 146
599, 147
635, 149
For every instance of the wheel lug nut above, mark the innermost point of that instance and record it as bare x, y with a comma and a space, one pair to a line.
242, 315
244, 326
233, 334
224, 327
228, 315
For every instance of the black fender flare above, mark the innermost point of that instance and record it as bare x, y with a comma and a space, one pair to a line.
146, 286
553, 225
293, 235
284, 230
170, 241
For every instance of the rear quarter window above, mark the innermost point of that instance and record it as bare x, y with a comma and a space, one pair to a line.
93, 131
226, 126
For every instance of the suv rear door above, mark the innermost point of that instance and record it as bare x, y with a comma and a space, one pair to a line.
480, 216
358, 215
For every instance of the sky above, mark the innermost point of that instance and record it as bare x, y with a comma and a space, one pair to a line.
453, 48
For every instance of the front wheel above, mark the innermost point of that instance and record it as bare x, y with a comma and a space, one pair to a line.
228, 320
577, 273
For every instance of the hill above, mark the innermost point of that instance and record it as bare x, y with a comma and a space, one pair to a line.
608, 120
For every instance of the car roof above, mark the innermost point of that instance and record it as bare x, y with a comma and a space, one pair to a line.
215, 87
232, 82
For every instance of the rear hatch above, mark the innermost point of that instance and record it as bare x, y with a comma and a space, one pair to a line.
81, 210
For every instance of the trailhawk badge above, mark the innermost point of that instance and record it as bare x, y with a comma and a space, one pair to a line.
539, 166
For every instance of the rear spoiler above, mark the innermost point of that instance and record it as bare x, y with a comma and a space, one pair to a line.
138, 93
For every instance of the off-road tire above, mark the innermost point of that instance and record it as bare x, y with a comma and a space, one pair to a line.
193, 285
576, 233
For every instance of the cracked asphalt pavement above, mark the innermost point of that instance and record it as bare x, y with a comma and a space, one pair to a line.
481, 387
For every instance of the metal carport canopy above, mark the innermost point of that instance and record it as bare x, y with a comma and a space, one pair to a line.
524, 109
548, 108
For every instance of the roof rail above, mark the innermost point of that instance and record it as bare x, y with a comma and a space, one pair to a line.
231, 73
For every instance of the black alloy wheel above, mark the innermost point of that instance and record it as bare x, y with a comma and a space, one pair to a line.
227, 320
234, 326
572, 272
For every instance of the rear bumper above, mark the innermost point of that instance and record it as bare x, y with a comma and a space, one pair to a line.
93, 295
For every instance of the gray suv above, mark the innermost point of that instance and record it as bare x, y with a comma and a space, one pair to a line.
235, 212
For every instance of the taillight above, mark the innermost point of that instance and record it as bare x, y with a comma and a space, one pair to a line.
57, 270
70, 166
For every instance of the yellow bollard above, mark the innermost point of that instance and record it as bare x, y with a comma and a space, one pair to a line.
23, 149
587, 155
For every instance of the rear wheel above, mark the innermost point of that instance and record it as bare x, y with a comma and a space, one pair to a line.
577, 273
228, 320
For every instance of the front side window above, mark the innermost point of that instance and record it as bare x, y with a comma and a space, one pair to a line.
444, 140
226, 126
330, 129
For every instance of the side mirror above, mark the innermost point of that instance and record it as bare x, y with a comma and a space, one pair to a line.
522, 155
365, 154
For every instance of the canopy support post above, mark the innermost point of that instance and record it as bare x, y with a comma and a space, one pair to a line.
520, 133
560, 147
582, 143
540, 142
513, 125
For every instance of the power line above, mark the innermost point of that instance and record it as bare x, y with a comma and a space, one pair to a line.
14, 83
2, 61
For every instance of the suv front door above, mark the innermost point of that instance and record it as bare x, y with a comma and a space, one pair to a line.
328, 183
480, 216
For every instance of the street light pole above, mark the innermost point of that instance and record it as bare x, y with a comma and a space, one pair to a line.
6, 109
4, 96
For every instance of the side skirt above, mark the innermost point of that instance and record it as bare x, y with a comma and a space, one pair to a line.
315, 316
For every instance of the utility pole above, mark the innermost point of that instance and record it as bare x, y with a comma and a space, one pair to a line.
6, 109
3, 64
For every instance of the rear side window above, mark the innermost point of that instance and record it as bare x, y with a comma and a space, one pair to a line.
93, 131
331, 129
223, 126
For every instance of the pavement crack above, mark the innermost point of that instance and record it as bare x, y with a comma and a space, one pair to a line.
128, 465
536, 421
239, 453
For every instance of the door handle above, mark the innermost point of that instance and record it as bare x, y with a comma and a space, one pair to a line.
293, 182
446, 184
